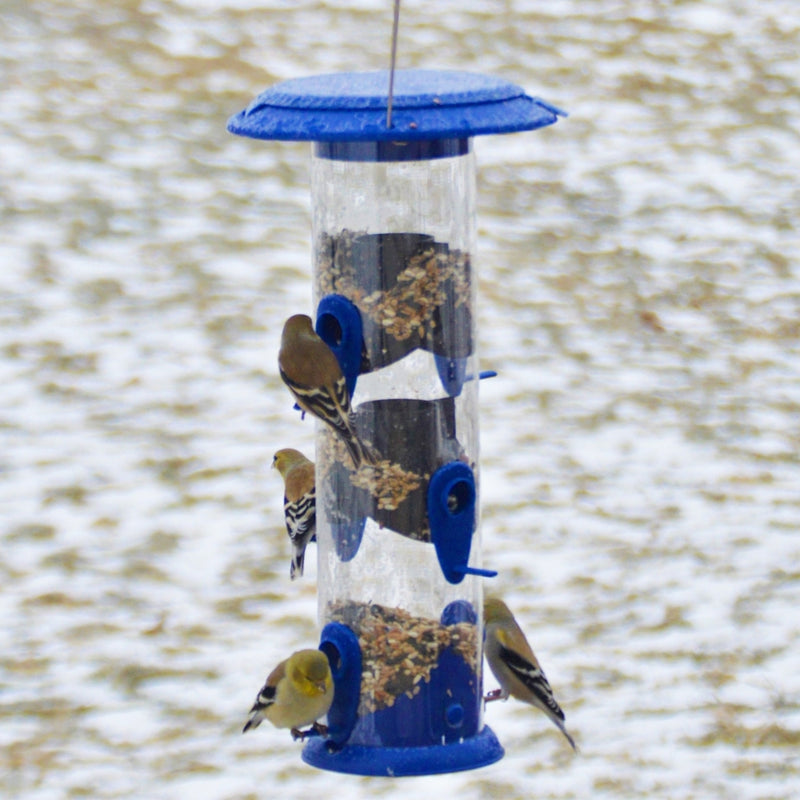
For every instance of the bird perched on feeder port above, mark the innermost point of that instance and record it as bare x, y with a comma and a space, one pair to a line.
299, 503
298, 692
311, 371
516, 668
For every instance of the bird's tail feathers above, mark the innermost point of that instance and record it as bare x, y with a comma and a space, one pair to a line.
354, 447
371, 455
563, 728
360, 451
298, 560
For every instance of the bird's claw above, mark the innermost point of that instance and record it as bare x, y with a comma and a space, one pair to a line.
315, 730
495, 694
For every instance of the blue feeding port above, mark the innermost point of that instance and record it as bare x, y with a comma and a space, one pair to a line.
339, 326
341, 647
451, 514
400, 578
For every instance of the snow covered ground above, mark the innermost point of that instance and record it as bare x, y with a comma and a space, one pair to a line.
639, 297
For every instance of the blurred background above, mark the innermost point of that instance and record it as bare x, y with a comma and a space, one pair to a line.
639, 296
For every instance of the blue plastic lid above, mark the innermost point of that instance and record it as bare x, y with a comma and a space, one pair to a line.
427, 105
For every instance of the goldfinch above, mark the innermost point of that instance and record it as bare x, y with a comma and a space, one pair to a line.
298, 692
299, 503
515, 666
310, 369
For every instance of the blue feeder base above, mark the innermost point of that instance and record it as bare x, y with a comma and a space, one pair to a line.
397, 762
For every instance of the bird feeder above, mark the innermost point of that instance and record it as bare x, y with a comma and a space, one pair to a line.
400, 577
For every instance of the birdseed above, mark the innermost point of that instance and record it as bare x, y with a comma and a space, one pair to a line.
399, 651
388, 484
431, 279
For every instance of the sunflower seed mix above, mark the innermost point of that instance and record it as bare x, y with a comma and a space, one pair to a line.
386, 481
409, 306
399, 651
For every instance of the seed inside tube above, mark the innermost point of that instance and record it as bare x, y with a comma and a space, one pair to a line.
400, 651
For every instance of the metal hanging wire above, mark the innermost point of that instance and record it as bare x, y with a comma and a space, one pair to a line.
395, 26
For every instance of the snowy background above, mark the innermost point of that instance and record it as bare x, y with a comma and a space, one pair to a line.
639, 296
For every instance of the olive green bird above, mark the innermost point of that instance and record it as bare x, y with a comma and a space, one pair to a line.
516, 668
299, 503
311, 371
297, 692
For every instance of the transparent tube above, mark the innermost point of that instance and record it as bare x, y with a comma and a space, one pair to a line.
395, 239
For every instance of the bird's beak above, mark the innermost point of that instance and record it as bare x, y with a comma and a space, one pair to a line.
322, 687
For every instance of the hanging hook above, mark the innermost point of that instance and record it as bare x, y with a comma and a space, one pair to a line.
395, 26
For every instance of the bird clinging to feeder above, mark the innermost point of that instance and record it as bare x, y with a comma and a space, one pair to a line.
310, 370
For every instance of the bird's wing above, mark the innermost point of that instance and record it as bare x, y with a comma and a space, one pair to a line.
265, 698
300, 515
266, 695
334, 401
330, 402
296, 387
532, 677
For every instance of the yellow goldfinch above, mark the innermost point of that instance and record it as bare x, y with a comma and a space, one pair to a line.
310, 370
299, 503
515, 666
298, 692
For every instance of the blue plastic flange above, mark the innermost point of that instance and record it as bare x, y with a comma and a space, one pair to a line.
451, 516
347, 537
459, 611
341, 647
339, 326
452, 373
476, 751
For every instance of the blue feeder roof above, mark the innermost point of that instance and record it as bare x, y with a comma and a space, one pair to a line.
427, 105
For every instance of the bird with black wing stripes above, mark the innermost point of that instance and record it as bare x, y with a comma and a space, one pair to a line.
515, 666
311, 371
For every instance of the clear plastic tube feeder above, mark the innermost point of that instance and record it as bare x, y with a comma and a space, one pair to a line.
400, 576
